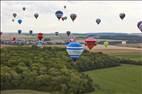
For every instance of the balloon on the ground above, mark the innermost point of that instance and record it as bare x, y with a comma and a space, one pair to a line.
74, 50
36, 15
19, 21
73, 16
14, 15
98, 21
106, 44
19, 31
90, 42
59, 14
122, 15
68, 33
139, 25
40, 36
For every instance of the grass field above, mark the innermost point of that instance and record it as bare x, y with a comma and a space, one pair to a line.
126, 79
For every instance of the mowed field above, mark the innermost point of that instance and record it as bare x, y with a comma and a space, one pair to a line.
126, 79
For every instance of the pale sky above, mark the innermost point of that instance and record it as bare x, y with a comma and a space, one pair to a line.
87, 13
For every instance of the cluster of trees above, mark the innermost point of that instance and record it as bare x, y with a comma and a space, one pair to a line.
128, 61
48, 69
90, 61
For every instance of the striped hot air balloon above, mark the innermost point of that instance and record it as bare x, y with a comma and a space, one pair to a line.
74, 50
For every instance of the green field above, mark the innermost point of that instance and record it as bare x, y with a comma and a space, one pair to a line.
132, 56
126, 79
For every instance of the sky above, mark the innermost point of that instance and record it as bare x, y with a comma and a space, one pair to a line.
87, 13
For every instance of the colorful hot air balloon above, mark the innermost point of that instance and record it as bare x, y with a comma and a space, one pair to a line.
90, 42
73, 16
19, 31
14, 15
40, 43
40, 36
139, 25
106, 43
68, 33
98, 21
122, 15
74, 50
59, 14
19, 21
36, 15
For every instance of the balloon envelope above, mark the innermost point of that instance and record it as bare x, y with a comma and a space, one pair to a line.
90, 42
24, 8
139, 25
14, 15
73, 16
122, 15
40, 36
36, 15
98, 21
106, 43
74, 50
19, 31
30, 32
19, 21
68, 33
59, 14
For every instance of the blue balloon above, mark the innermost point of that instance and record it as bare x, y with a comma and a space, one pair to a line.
19, 21
59, 14
74, 49
39, 43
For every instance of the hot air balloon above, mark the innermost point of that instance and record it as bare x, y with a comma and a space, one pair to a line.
106, 43
39, 43
19, 21
59, 14
36, 15
14, 15
122, 15
90, 42
12, 20
13, 39
98, 21
19, 31
139, 25
56, 33
40, 36
24, 8
68, 33
65, 6
73, 16
74, 50
30, 32
64, 18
